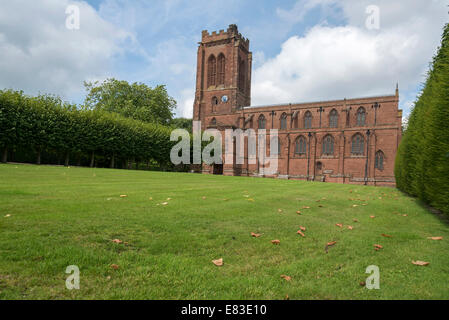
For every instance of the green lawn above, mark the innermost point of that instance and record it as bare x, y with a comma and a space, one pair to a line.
53, 217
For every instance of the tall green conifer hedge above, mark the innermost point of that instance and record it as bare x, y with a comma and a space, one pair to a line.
422, 163
45, 123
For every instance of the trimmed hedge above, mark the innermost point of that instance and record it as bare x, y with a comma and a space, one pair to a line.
46, 124
422, 163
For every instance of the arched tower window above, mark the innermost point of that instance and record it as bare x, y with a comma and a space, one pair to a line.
284, 121
211, 71
301, 145
242, 77
358, 144
295, 117
379, 163
328, 145
333, 119
361, 117
308, 120
214, 104
221, 66
262, 122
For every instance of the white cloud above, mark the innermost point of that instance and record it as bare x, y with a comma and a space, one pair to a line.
39, 54
352, 61
185, 103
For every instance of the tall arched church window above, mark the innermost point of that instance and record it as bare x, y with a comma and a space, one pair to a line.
333, 119
275, 150
284, 121
301, 146
328, 145
358, 144
308, 120
221, 65
380, 158
262, 121
361, 117
211, 71
242, 77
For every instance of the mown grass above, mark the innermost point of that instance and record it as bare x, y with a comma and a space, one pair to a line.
68, 216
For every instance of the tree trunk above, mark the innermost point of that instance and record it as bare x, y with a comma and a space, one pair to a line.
38, 160
67, 158
92, 159
113, 161
5, 155
130, 164
137, 165
78, 163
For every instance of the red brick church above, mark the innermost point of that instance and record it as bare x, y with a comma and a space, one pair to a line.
344, 141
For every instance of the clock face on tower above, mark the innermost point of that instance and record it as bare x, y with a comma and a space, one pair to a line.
224, 99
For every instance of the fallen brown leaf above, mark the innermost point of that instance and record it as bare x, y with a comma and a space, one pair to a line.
114, 266
355, 220
350, 227
330, 244
276, 242
117, 241
377, 247
286, 277
255, 235
435, 238
123, 196
339, 225
420, 263
372, 217
386, 235
280, 210
302, 228
298, 212
300, 233
218, 262
306, 207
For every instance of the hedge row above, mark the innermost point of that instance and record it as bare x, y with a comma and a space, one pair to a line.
46, 124
422, 164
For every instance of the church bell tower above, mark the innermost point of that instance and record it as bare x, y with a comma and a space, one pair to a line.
223, 81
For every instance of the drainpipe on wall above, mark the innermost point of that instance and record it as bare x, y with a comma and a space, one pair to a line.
288, 156
308, 158
367, 155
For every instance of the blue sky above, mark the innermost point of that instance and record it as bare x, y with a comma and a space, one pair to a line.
304, 50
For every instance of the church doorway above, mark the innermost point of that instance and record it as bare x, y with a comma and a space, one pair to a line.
218, 169
319, 172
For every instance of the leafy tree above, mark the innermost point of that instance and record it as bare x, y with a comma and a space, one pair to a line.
182, 123
136, 101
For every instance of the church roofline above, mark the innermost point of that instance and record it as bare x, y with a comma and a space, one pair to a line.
348, 101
